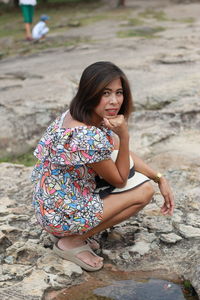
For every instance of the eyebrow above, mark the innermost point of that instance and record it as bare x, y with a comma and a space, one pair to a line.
111, 89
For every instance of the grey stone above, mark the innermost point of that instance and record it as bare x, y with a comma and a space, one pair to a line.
9, 260
177, 216
126, 255
177, 58
111, 254
141, 248
188, 231
4, 242
145, 236
74, 23
193, 220
158, 224
170, 238
10, 87
195, 275
58, 265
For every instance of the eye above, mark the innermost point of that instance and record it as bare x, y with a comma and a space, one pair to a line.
106, 93
120, 92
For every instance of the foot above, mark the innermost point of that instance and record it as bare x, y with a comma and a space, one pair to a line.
29, 38
68, 243
94, 245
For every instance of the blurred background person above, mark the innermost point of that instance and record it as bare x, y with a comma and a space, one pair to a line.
27, 8
40, 29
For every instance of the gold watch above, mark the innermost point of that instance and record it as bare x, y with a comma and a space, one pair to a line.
157, 177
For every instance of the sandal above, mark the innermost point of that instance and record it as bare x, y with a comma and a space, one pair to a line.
94, 245
70, 255
54, 238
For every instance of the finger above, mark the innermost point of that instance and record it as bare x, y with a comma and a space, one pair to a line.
107, 123
172, 206
164, 210
112, 117
167, 201
167, 205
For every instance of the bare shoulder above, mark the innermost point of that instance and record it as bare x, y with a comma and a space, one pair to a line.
69, 122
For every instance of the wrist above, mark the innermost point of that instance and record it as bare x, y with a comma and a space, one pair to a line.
124, 137
157, 178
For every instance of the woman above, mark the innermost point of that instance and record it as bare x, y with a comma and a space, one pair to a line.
87, 180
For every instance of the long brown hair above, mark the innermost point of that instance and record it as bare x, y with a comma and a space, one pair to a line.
93, 81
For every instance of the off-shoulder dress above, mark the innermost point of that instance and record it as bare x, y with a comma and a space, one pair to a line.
68, 194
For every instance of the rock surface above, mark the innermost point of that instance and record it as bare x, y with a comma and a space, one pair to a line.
164, 75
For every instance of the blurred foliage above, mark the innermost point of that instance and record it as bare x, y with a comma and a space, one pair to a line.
145, 32
26, 159
154, 14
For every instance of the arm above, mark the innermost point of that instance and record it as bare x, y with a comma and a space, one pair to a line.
116, 173
140, 166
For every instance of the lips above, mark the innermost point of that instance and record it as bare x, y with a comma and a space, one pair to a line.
112, 112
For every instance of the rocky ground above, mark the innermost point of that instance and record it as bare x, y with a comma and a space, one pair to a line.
156, 43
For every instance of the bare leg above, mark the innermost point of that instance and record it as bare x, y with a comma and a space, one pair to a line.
119, 213
117, 208
28, 30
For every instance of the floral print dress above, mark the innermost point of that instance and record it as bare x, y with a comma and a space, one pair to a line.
64, 196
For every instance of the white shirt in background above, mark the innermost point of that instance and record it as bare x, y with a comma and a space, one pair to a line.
27, 2
39, 30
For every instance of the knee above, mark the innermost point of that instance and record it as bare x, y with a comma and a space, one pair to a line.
148, 192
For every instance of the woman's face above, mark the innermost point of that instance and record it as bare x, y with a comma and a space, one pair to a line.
110, 102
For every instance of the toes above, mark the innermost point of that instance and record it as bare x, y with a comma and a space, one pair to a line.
90, 259
101, 258
98, 263
93, 244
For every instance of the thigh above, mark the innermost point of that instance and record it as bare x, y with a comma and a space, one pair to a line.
31, 13
25, 12
115, 203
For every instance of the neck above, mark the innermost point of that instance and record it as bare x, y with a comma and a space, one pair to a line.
96, 120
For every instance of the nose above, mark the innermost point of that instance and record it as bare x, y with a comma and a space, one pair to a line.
113, 98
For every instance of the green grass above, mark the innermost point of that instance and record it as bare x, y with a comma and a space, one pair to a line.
134, 22
31, 48
63, 16
187, 20
27, 159
11, 22
93, 19
153, 14
161, 16
140, 33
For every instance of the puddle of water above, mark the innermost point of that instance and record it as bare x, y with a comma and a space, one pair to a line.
117, 285
153, 289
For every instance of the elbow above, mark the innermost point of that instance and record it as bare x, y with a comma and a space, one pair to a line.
120, 184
